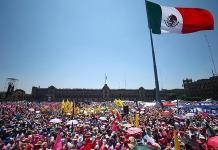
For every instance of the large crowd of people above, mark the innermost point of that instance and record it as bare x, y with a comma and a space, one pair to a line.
103, 126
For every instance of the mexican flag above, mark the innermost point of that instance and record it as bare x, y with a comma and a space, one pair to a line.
164, 19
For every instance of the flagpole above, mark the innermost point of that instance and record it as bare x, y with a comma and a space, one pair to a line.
73, 108
105, 78
157, 90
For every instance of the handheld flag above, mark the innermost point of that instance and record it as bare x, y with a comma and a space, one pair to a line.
118, 103
58, 144
78, 110
164, 19
130, 120
176, 141
137, 120
99, 108
62, 106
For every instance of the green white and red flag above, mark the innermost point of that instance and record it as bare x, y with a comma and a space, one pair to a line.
164, 19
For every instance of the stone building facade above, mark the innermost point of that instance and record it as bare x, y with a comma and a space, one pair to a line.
105, 94
204, 88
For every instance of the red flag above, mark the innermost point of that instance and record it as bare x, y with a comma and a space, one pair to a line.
113, 124
164, 19
102, 147
88, 146
58, 144
118, 117
114, 127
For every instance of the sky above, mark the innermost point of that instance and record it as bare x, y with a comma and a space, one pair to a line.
73, 43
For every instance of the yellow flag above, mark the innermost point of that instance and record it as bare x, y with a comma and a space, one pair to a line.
78, 110
137, 120
62, 106
130, 120
176, 141
99, 108
75, 109
67, 105
121, 103
118, 103
71, 107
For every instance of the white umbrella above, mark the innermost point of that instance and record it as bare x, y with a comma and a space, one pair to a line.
55, 120
182, 117
142, 112
72, 121
127, 125
134, 130
189, 114
103, 118
37, 112
31, 109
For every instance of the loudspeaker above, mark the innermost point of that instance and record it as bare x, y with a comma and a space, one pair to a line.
126, 109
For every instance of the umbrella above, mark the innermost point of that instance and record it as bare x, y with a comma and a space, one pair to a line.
72, 121
142, 112
190, 114
37, 112
134, 130
103, 118
127, 125
182, 117
55, 120
31, 109
212, 142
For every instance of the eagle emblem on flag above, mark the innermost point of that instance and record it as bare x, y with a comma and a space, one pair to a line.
171, 21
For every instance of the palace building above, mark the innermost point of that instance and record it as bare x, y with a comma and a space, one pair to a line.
203, 88
105, 94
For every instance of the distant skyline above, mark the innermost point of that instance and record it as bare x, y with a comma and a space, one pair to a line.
73, 43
